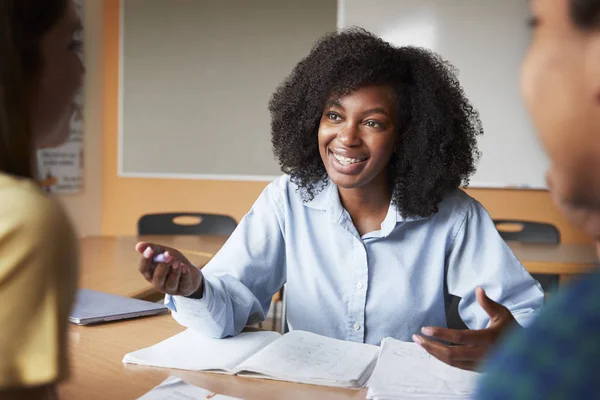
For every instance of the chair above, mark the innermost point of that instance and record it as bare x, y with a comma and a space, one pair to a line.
166, 224
283, 328
527, 232
532, 232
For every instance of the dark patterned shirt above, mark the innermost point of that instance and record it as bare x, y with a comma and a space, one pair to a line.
557, 357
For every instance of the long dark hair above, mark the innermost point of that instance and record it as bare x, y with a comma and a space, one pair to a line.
23, 23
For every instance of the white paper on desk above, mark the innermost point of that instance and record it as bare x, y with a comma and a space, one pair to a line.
193, 351
174, 388
406, 371
306, 357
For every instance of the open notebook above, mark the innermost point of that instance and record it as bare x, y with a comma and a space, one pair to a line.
297, 356
405, 371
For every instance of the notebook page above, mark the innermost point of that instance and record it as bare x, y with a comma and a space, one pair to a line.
405, 370
193, 351
310, 358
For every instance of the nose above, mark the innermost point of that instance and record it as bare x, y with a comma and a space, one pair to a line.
349, 135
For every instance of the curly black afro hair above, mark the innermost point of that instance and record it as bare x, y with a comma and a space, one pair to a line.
436, 146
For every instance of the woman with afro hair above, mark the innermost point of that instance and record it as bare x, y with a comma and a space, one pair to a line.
368, 228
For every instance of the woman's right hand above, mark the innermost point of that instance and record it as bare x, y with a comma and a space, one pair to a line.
171, 273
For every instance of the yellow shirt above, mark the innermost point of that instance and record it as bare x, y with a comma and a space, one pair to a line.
38, 279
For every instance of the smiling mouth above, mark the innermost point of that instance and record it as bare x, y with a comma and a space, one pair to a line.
347, 161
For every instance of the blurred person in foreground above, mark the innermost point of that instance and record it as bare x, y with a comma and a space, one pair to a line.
558, 356
40, 71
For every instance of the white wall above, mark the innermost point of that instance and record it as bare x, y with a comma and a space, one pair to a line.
85, 208
486, 40
197, 77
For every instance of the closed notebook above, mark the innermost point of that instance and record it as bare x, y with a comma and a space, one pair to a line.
297, 356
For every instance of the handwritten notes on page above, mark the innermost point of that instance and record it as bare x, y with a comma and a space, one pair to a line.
406, 371
307, 357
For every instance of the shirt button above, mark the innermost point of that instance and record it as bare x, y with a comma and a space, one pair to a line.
359, 285
356, 327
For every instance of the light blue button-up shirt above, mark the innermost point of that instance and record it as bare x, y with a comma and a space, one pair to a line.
389, 282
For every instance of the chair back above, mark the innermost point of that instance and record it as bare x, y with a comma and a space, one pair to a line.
527, 231
173, 224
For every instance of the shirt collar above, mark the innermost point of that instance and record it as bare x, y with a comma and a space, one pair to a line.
328, 200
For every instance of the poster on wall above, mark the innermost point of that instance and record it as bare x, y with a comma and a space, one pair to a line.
61, 168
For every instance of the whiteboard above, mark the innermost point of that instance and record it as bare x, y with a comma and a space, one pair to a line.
486, 40
196, 77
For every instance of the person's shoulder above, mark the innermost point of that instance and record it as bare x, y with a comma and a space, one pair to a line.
564, 337
281, 184
284, 190
455, 205
26, 211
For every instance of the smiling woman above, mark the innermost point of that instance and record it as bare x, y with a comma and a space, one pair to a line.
434, 127
368, 230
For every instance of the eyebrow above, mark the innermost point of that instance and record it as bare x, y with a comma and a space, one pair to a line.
334, 103
376, 110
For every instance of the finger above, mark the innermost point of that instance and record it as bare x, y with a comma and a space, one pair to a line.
141, 246
493, 309
465, 337
451, 355
160, 276
468, 365
146, 266
168, 256
149, 249
185, 283
172, 282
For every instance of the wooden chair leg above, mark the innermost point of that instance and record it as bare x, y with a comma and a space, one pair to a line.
275, 307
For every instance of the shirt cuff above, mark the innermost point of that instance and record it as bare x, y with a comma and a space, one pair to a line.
180, 303
525, 319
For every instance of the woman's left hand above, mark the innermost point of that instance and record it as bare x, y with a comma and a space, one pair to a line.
469, 346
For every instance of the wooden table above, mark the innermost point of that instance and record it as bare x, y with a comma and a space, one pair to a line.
565, 260
110, 264
97, 372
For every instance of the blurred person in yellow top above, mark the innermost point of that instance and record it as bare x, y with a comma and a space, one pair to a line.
40, 72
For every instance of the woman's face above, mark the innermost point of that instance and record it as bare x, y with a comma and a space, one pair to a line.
357, 135
59, 78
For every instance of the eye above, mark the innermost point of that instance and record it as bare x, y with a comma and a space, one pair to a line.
373, 124
333, 116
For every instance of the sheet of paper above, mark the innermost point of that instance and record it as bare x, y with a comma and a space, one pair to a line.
405, 370
304, 356
193, 351
174, 388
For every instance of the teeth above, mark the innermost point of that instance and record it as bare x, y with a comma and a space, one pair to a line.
347, 161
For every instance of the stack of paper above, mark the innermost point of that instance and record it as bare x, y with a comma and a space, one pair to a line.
407, 371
